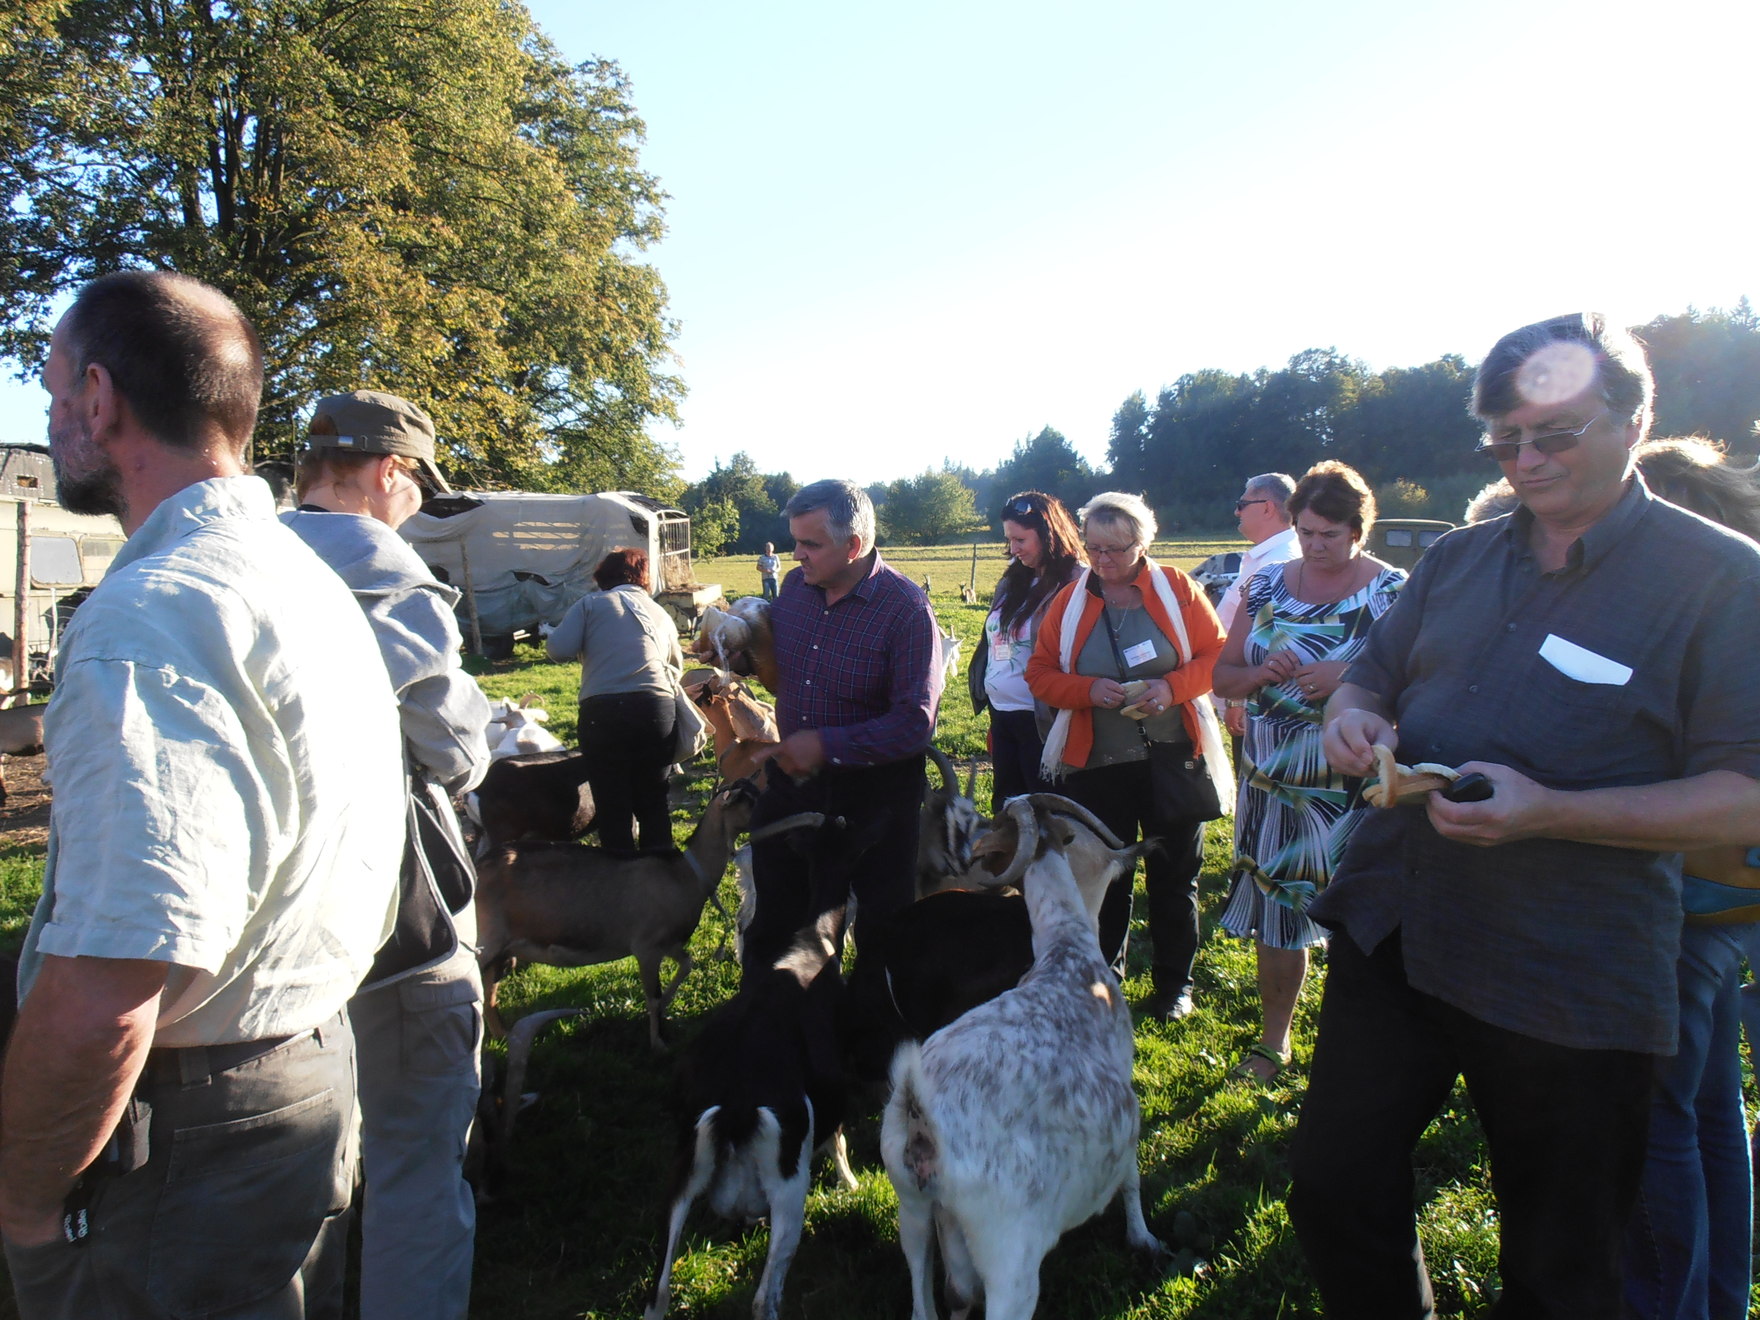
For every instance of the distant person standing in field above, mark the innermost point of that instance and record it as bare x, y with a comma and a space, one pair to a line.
1264, 520
769, 565
1045, 552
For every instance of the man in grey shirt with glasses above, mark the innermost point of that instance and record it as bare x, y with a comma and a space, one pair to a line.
1590, 654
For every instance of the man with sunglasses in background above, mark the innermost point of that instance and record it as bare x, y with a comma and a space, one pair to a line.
1589, 655
1264, 521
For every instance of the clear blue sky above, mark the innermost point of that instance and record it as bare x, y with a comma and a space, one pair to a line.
923, 231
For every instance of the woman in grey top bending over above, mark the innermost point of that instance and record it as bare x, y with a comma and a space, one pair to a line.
630, 662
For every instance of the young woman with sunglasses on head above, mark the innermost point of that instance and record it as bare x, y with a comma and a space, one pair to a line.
1045, 551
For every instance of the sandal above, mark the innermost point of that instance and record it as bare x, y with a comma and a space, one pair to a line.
1244, 1070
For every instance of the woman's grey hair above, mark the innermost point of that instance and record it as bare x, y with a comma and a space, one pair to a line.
847, 508
1124, 509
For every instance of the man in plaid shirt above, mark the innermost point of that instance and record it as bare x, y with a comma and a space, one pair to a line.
858, 652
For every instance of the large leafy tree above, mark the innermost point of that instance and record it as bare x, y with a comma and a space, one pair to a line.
928, 509
419, 195
1126, 449
1707, 367
756, 499
1048, 462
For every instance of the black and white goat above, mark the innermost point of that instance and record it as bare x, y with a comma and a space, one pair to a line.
1017, 1122
755, 1095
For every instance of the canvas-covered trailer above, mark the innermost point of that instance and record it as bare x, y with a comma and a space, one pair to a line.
49, 559
522, 559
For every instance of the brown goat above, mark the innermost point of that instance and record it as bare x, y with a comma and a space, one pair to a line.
744, 727
21, 734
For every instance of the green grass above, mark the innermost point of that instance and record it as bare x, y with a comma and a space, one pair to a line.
578, 1233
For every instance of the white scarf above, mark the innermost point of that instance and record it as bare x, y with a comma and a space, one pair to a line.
1209, 732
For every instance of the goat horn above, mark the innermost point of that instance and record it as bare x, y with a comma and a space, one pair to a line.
949, 776
1066, 807
972, 782
520, 1038
1026, 846
801, 820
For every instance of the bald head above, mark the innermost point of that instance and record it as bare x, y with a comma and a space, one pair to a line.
181, 354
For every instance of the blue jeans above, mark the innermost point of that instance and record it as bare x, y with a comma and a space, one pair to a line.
1687, 1248
417, 1042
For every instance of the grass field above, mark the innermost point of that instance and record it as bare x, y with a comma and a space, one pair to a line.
577, 1233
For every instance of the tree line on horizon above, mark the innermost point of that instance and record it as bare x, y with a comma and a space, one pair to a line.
1406, 429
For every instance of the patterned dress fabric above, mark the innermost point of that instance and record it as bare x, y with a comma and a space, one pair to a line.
1294, 817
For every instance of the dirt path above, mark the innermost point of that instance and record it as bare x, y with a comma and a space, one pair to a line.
24, 820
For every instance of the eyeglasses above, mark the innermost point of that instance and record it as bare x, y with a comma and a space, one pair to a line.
1018, 507
1108, 551
1551, 442
1241, 504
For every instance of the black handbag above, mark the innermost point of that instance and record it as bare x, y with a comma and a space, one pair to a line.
436, 881
975, 672
1179, 784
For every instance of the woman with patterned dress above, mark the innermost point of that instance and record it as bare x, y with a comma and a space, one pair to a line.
1298, 625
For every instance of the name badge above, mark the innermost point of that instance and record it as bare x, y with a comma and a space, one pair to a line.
1001, 648
1140, 654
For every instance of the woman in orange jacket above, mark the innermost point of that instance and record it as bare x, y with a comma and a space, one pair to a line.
1124, 658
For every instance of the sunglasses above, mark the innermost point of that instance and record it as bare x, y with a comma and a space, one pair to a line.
1018, 508
1241, 504
1550, 442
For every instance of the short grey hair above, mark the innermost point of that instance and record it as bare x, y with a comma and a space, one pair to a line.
1117, 506
848, 510
1278, 486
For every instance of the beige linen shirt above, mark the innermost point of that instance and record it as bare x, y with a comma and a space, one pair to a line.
228, 778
